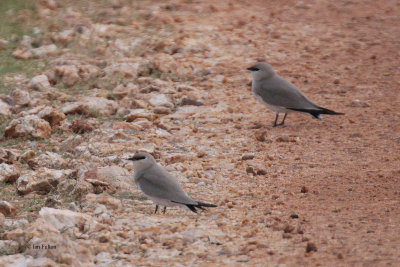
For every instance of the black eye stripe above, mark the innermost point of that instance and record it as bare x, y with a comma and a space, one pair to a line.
134, 158
253, 69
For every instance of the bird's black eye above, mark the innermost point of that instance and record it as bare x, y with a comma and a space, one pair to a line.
253, 69
135, 158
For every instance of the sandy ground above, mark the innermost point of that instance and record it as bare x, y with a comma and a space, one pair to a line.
316, 193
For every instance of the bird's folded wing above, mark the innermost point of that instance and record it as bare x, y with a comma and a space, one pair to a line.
162, 185
279, 92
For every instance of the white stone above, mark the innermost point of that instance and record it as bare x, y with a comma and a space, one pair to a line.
30, 125
5, 109
39, 82
8, 173
91, 104
41, 180
44, 51
64, 218
160, 100
20, 97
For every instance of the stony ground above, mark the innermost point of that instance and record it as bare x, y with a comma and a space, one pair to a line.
85, 84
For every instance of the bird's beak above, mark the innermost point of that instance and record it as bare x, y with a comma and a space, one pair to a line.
252, 69
131, 158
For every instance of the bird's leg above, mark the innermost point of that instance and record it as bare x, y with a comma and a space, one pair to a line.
283, 121
156, 209
165, 208
276, 119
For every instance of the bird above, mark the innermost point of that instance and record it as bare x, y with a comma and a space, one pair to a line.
282, 96
160, 186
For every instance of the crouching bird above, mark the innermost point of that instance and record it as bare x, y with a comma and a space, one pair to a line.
160, 186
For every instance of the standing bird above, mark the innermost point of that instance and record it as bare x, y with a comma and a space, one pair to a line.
160, 186
280, 95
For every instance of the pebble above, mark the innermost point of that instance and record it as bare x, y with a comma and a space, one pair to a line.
311, 247
247, 156
7, 208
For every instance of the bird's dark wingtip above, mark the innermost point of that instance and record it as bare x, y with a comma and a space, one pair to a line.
201, 204
316, 112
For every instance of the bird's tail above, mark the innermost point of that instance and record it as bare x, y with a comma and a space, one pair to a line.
316, 112
199, 205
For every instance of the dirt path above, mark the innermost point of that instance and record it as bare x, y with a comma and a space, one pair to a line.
311, 193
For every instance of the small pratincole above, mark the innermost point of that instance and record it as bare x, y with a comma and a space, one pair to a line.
160, 186
280, 95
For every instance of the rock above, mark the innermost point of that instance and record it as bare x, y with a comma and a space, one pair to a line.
75, 189
20, 260
55, 235
311, 247
283, 138
39, 82
65, 36
109, 201
27, 156
127, 69
81, 127
88, 72
64, 218
247, 156
137, 103
286, 138
52, 115
51, 160
7, 156
190, 101
162, 110
157, 100
304, 189
165, 63
91, 105
45, 51
68, 74
256, 170
28, 126
3, 44
22, 52
139, 113
122, 91
104, 259
302, 5
185, 87
41, 180
27, 41
8, 173
7, 208
101, 105
142, 123
5, 109
116, 177
75, 108
359, 103
261, 135
20, 97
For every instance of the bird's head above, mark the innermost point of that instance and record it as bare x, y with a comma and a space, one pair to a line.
142, 160
261, 71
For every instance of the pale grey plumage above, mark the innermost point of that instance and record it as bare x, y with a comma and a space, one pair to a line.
279, 92
160, 186
280, 95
